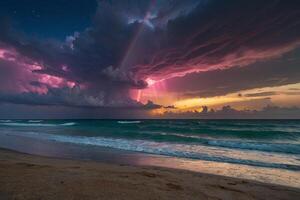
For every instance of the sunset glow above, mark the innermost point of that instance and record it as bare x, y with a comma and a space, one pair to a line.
157, 67
111, 99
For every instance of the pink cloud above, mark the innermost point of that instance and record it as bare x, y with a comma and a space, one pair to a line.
23, 73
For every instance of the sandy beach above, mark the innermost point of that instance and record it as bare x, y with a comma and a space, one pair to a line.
24, 176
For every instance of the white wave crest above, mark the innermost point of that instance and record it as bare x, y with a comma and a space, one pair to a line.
37, 124
129, 122
174, 150
35, 121
5, 120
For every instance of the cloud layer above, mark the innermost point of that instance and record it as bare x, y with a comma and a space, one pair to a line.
227, 112
207, 42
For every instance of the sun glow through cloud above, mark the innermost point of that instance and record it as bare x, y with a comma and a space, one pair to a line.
253, 99
150, 81
159, 55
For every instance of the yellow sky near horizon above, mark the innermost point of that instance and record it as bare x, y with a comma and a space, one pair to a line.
252, 99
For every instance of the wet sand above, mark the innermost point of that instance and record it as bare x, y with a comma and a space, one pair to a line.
24, 176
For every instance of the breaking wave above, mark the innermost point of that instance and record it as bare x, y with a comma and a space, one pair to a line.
36, 124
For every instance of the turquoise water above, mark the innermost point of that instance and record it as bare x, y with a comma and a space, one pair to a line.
260, 143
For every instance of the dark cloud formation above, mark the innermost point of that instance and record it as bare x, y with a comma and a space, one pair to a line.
151, 105
223, 34
276, 72
71, 97
21, 111
130, 41
251, 104
260, 94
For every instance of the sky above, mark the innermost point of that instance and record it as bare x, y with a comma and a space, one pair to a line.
149, 59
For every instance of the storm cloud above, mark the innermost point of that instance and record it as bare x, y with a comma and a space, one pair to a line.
210, 41
272, 73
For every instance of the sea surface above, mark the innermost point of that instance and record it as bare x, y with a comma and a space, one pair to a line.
266, 146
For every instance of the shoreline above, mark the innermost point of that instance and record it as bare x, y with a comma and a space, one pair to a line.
65, 151
25, 176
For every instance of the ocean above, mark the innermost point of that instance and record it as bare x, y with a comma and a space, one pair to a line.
270, 146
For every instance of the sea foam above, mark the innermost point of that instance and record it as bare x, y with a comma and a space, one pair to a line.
161, 148
129, 122
37, 124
